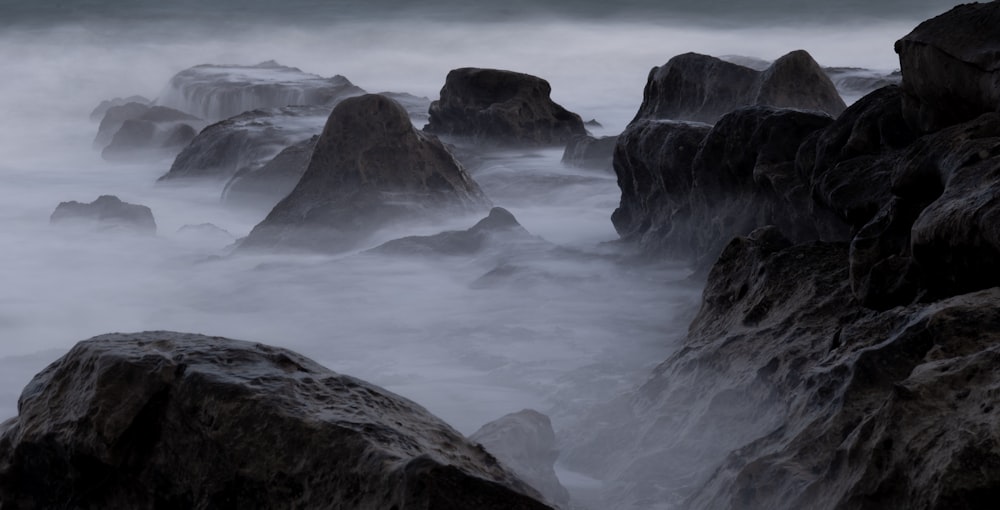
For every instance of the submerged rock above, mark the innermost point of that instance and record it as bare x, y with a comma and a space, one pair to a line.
498, 229
701, 88
218, 92
108, 212
501, 107
525, 442
370, 168
162, 419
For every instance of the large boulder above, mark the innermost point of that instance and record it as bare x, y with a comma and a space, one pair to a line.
702, 88
217, 92
370, 168
951, 66
501, 107
106, 213
162, 419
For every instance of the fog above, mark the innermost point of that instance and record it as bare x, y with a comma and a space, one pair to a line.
560, 331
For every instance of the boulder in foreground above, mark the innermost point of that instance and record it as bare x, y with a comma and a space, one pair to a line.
174, 420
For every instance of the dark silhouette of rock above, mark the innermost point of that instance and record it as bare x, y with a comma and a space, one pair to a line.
135, 131
501, 107
370, 167
265, 186
217, 92
108, 212
951, 67
525, 442
585, 151
97, 114
498, 229
163, 419
702, 88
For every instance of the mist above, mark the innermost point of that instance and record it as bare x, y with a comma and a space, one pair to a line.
562, 330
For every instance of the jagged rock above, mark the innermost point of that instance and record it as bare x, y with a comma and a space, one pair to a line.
218, 92
525, 442
498, 228
501, 107
585, 151
162, 419
370, 167
702, 88
98, 112
265, 186
951, 67
108, 212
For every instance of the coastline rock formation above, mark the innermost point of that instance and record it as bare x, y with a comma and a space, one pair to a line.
505, 108
217, 92
106, 213
98, 112
370, 167
585, 151
701, 88
163, 419
266, 185
135, 131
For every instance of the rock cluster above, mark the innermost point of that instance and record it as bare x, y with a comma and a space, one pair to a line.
135, 131
162, 419
106, 213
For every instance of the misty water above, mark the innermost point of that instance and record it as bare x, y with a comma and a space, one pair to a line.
558, 334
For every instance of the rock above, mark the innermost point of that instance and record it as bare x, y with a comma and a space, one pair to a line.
525, 442
245, 143
108, 212
162, 419
370, 168
702, 88
585, 151
98, 113
854, 83
416, 106
265, 186
141, 132
499, 228
113, 119
951, 67
219, 92
502, 108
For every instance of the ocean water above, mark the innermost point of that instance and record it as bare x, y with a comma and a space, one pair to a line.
557, 334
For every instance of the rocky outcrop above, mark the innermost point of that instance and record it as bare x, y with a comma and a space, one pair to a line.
501, 107
951, 71
107, 213
162, 419
525, 442
137, 131
217, 92
101, 109
585, 151
370, 168
265, 186
499, 228
702, 88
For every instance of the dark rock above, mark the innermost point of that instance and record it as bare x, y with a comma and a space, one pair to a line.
106, 213
525, 442
951, 66
218, 92
416, 106
265, 186
161, 419
585, 151
140, 132
703, 88
370, 168
498, 228
855, 82
501, 107
98, 113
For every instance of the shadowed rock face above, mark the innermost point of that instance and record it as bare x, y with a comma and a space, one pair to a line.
370, 167
501, 107
267, 185
951, 67
162, 419
702, 88
108, 212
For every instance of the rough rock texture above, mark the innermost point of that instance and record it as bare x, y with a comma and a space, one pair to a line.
586, 151
498, 228
501, 107
108, 212
702, 88
173, 420
265, 186
788, 394
217, 92
370, 167
525, 442
951, 66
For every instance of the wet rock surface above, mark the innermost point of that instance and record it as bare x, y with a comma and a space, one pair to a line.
106, 213
497, 107
370, 167
163, 419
